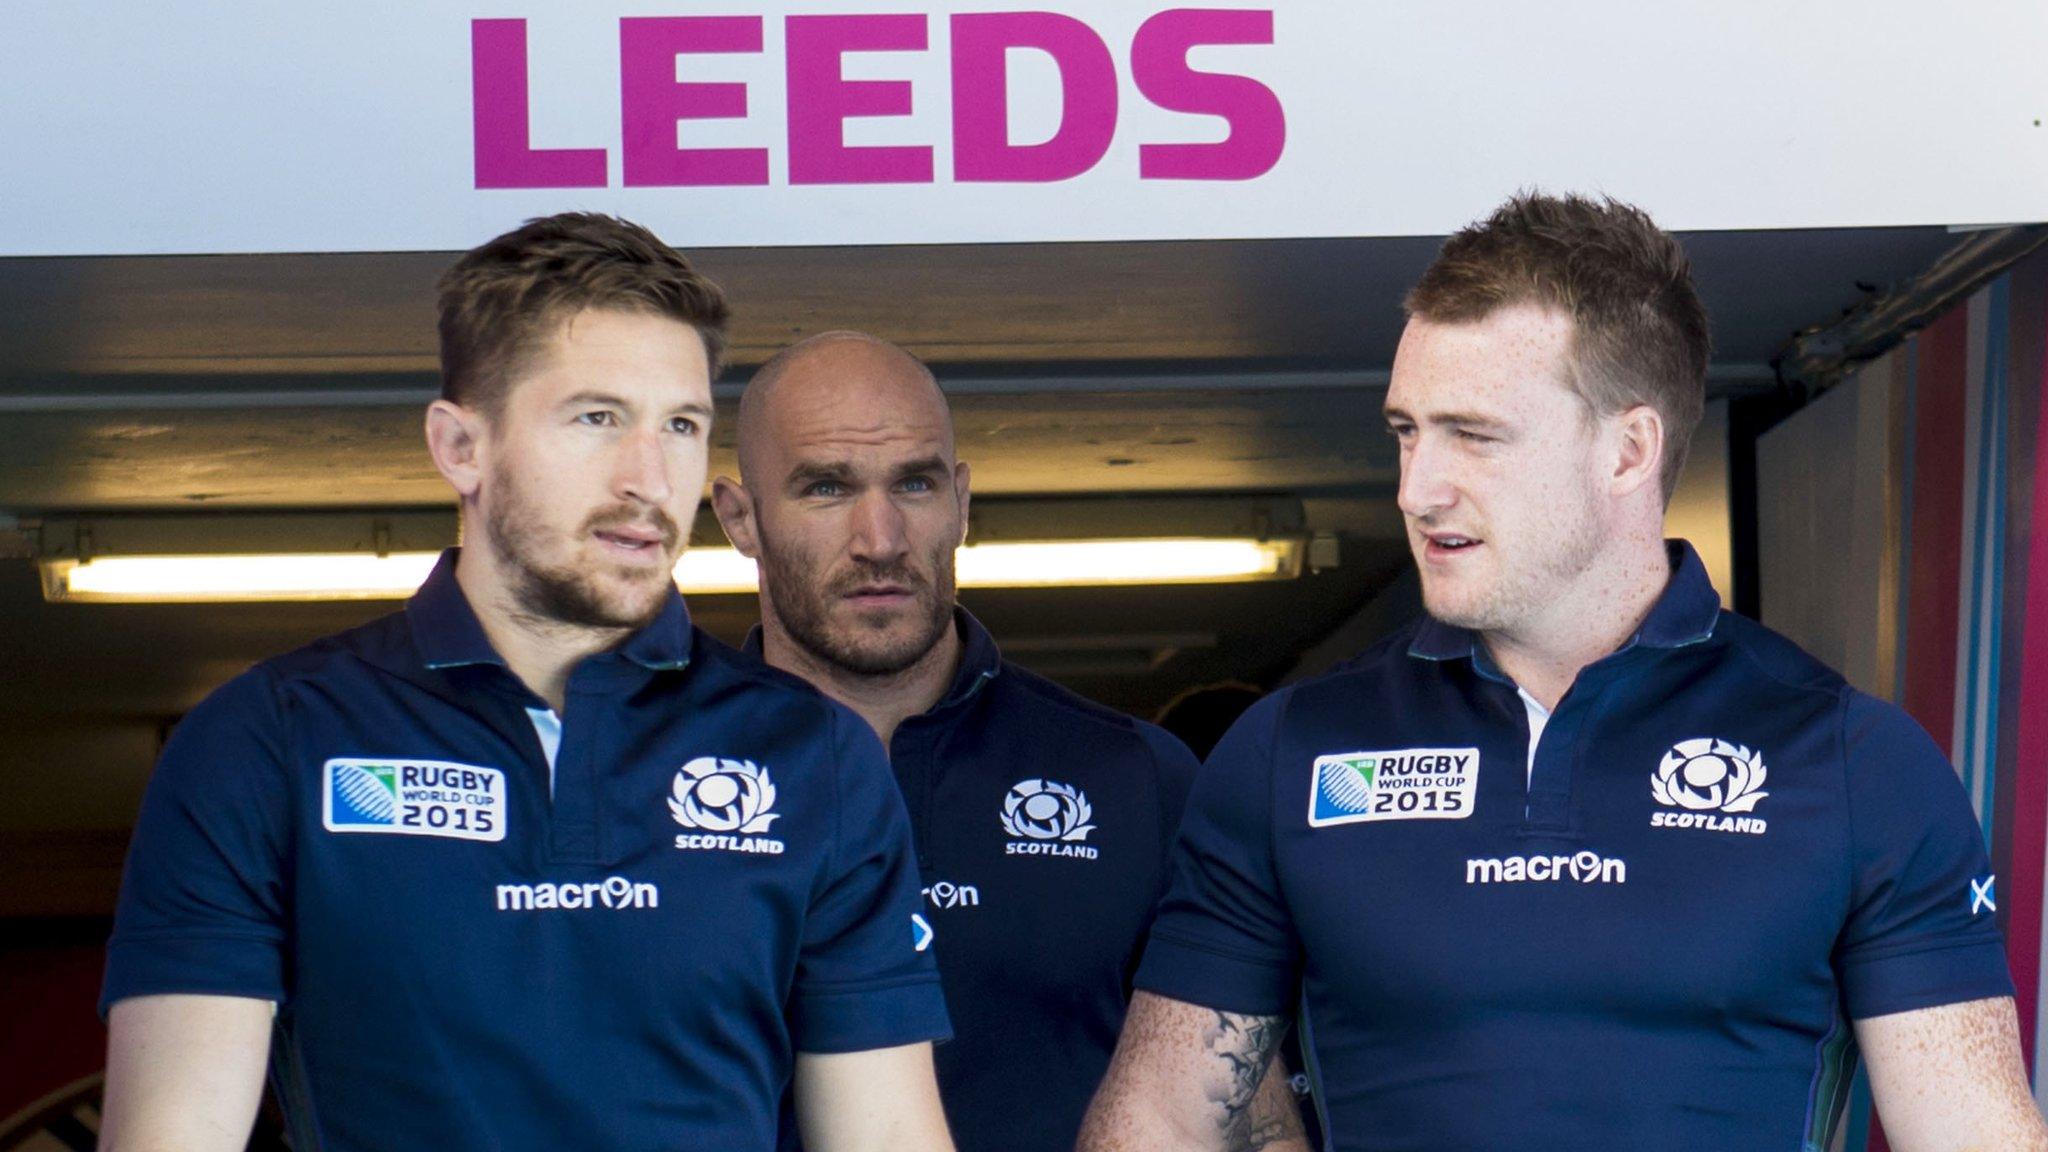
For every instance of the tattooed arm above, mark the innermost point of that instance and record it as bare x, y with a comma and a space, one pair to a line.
1275, 1118
1186, 1078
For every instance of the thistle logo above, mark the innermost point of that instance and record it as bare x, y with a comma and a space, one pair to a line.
722, 797
1703, 776
1037, 811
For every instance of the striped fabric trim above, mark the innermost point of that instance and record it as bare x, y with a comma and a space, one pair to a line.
1855, 1134
1834, 1070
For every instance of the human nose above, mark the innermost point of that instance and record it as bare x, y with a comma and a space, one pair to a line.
1426, 487
878, 528
643, 469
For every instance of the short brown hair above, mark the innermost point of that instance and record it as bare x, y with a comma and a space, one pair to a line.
1639, 331
501, 298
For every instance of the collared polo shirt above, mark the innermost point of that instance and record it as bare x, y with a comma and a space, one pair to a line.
1654, 937
1042, 823
363, 832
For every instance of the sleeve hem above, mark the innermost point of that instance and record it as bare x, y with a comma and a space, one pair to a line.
1926, 977
133, 989
1196, 974
200, 964
853, 1020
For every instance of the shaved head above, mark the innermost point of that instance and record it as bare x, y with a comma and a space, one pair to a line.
836, 365
852, 501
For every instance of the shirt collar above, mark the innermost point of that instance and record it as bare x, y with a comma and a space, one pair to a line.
448, 634
1685, 613
980, 659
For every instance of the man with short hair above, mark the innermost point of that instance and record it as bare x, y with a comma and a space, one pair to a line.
1042, 820
533, 863
1577, 860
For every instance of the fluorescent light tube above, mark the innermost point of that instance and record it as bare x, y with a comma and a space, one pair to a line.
703, 571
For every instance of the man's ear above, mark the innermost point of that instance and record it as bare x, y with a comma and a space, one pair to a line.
735, 511
960, 493
1640, 448
456, 441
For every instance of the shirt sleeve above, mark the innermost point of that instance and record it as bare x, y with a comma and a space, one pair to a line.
865, 976
1176, 768
1224, 938
1922, 928
1173, 775
202, 905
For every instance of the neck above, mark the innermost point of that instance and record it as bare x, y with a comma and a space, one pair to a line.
540, 652
885, 700
1593, 618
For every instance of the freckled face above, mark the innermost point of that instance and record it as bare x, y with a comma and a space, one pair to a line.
860, 504
595, 466
1499, 480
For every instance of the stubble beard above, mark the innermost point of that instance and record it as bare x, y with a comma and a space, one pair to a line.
1516, 596
563, 595
804, 601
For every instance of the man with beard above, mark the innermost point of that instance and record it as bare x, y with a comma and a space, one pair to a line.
1577, 860
1042, 821
532, 863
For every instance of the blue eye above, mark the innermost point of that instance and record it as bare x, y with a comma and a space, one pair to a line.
917, 484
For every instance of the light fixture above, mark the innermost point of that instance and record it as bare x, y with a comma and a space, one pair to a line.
335, 556
1071, 563
702, 572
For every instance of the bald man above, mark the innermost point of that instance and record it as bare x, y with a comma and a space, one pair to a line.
1042, 821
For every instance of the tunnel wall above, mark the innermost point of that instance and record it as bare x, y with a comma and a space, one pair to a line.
1903, 532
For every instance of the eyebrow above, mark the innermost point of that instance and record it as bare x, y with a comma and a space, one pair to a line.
609, 399
929, 465
805, 475
1450, 419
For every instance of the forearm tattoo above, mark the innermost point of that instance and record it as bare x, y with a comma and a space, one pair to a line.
1262, 1135
1245, 1044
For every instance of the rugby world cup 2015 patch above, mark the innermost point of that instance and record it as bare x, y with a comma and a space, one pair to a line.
1400, 784
413, 798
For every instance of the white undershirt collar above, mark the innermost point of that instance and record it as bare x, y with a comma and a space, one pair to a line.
1538, 717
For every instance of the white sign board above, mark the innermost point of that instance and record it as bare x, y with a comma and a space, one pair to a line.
389, 125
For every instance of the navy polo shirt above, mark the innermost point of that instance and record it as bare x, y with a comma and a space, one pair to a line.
1043, 824
1652, 939
362, 831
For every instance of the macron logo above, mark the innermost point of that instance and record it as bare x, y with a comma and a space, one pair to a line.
611, 892
1583, 867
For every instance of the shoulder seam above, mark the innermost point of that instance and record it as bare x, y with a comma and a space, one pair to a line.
1802, 686
1031, 683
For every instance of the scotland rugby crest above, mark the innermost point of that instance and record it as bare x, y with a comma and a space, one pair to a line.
1704, 779
726, 803
1045, 818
